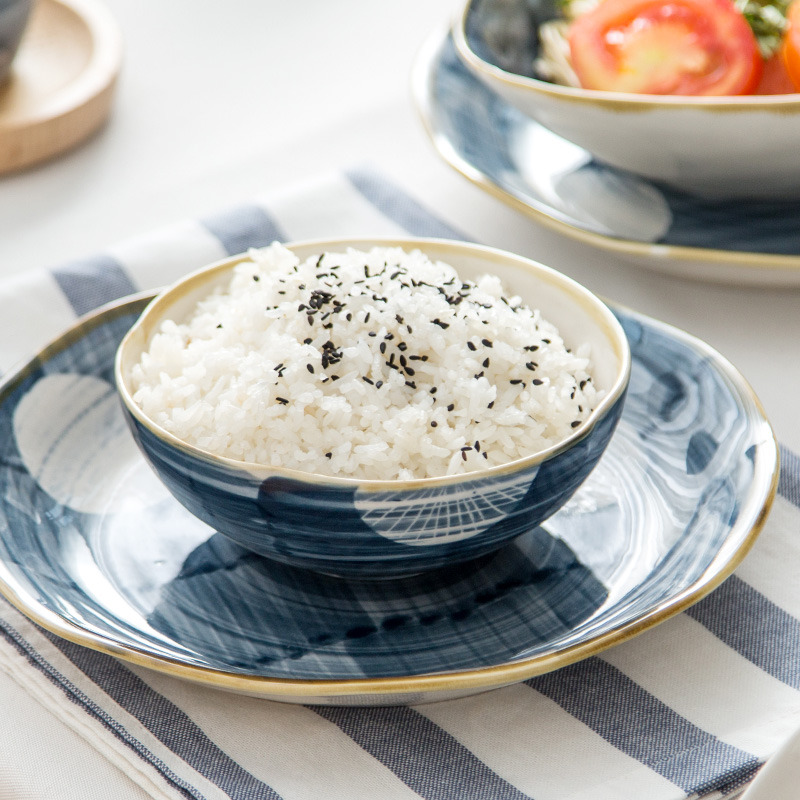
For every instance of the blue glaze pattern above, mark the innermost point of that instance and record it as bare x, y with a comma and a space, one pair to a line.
347, 532
548, 174
357, 531
110, 557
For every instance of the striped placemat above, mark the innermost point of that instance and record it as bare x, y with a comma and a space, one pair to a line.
691, 708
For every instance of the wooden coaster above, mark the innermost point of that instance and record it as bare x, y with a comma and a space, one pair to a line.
61, 82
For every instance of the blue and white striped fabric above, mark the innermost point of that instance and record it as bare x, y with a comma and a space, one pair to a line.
689, 709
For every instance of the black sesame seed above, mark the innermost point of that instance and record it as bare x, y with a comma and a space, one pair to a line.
487, 343
328, 455
282, 400
463, 456
379, 384
403, 361
531, 366
537, 382
334, 377
442, 325
411, 384
546, 341
434, 424
389, 337
220, 325
485, 454
477, 446
575, 423
366, 318
348, 317
308, 341
410, 371
434, 390
491, 405
471, 346
367, 380
402, 346
382, 347
372, 334
451, 406
309, 367
256, 278
486, 362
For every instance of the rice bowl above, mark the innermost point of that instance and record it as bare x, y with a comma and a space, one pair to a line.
381, 364
355, 523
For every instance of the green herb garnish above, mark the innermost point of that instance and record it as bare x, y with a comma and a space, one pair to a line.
767, 20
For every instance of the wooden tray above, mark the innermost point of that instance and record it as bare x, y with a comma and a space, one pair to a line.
61, 83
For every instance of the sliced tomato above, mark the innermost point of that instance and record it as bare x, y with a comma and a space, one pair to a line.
775, 78
682, 47
790, 50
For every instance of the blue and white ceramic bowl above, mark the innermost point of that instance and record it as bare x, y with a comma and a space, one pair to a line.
377, 528
712, 146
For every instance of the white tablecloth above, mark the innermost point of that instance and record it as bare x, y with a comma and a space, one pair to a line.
218, 104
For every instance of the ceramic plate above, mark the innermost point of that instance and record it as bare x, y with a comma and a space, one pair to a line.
93, 548
559, 184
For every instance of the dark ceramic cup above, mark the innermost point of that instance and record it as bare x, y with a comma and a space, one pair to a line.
14, 16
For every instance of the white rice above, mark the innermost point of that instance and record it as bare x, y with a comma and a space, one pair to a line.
379, 365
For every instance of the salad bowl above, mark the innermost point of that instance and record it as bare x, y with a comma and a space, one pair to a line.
712, 146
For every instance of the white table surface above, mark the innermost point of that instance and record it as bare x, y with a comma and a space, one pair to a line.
219, 102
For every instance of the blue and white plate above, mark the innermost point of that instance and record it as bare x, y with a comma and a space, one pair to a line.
559, 184
94, 548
